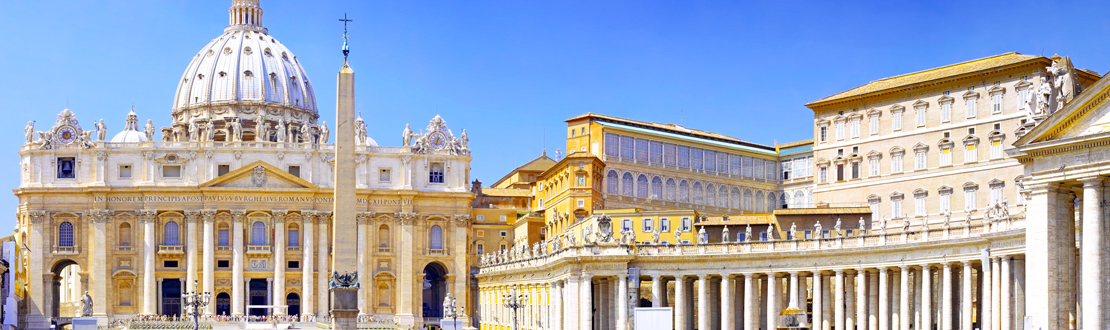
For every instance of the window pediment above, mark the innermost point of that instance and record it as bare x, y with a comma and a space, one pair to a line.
970, 185
920, 104
971, 95
897, 108
920, 192
996, 135
945, 99
971, 139
920, 147
944, 189
853, 115
896, 195
996, 182
874, 198
945, 143
874, 113
822, 162
1023, 85
996, 90
874, 155
897, 151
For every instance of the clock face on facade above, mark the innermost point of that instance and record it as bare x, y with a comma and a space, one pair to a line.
438, 141
66, 134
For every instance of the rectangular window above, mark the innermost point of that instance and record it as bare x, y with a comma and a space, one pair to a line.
222, 169
919, 160
626, 225
839, 130
824, 174
665, 225
685, 224
874, 204
504, 218
896, 164
969, 199
125, 171
612, 145
481, 248
786, 170
996, 194
294, 264
295, 170
171, 171
897, 121
628, 147
222, 240
67, 167
855, 170
763, 236
710, 160
683, 156
919, 206
223, 263
480, 218
696, 158
996, 103
294, 237
824, 134
385, 175
581, 203
996, 149
169, 264
642, 150
945, 156
435, 173
655, 152
874, 125
896, 208
503, 233
670, 156
873, 166
1023, 96
970, 156
971, 107
920, 117
734, 164
746, 165
648, 225
946, 112
945, 202
855, 127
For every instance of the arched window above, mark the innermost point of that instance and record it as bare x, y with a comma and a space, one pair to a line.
294, 235
258, 233
65, 234
759, 202
698, 194
612, 183
222, 238
383, 236
124, 234
710, 194
435, 238
170, 234
642, 186
684, 191
627, 184
734, 199
656, 188
771, 206
722, 197
669, 190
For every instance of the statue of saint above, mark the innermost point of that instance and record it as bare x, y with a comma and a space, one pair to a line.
260, 127
836, 227
793, 231
771, 232
324, 133
29, 132
724, 235
463, 141
748, 233
86, 305
406, 136
817, 230
1044, 94
279, 131
862, 226
655, 236
306, 133
677, 236
101, 130
209, 131
194, 133
149, 130
449, 306
702, 237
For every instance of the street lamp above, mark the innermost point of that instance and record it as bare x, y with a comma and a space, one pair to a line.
196, 300
514, 301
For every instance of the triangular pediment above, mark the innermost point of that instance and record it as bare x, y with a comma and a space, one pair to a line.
259, 175
1087, 114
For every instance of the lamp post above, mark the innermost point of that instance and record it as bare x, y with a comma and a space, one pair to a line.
196, 300
514, 301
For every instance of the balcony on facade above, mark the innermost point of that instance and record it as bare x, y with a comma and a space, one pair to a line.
125, 249
64, 250
436, 252
385, 250
259, 250
691, 170
171, 249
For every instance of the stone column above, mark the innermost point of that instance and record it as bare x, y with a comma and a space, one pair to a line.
208, 277
861, 299
622, 301
279, 261
322, 221
927, 297
1004, 309
680, 303
585, 302
728, 297
774, 289
873, 302
99, 267
990, 308
818, 301
308, 297
191, 244
1044, 257
149, 303
838, 302
750, 319
39, 284
1092, 256
966, 290
237, 262
884, 302
850, 301
904, 300
794, 286
658, 291
947, 312
557, 303
407, 286
363, 254
703, 301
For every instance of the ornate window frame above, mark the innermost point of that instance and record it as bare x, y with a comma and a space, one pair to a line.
897, 117
921, 113
996, 93
971, 104
945, 103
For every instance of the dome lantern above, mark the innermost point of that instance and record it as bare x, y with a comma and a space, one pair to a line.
245, 15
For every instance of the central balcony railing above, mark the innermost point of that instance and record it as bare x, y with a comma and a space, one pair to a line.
259, 249
66, 249
171, 249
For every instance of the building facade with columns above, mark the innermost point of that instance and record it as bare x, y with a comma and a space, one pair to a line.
236, 197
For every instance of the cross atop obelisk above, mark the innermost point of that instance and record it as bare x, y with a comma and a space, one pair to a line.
345, 276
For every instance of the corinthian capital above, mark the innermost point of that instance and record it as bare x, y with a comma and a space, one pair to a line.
147, 216
279, 215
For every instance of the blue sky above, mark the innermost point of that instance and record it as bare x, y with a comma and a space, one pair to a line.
509, 71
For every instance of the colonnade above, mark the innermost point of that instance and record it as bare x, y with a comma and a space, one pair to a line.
977, 292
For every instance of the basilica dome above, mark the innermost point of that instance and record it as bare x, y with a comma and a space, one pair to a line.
243, 74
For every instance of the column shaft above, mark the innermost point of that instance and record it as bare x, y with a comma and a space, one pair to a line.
278, 297
927, 297
209, 262
818, 300
557, 303
884, 302
966, 290
585, 303
1093, 255
322, 294
774, 289
680, 303
1005, 311
658, 291
904, 300
728, 319
237, 265
861, 299
307, 264
750, 319
622, 301
149, 307
703, 302
838, 304
191, 246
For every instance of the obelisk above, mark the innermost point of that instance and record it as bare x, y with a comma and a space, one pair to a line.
344, 290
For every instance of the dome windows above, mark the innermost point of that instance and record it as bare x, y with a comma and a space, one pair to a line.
227, 51
248, 74
211, 52
247, 51
222, 74
267, 52
200, 76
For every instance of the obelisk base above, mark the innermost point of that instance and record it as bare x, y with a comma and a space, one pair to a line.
344, 309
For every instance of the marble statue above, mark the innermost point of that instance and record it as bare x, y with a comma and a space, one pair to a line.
260, 128
1063, 81
279, 131
324, 132
817, 229
209, 131
461, 142
407, 136
905, 224
360, 130
101, 130
1004, 211
862, 226
235, 129
967, 221
882, 225
947, 218
1044, 93
677, 236
87, 139
194, 133
306, 133
836, 227
29, 132
702, 237
86, 305
655, 236
771, 232
448, 305
149, 130
748, 233
724, 234
793, 231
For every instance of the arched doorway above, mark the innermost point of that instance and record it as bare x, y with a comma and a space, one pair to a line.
435, 288
66, 289
171, 297
223, 304
294, 302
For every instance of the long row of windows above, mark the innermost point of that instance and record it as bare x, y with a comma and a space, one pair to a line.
672, 190
850, 167
944, 203
668, 154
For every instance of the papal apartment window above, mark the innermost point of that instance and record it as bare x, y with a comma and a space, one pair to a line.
920, 160
855, 128
648, 225
171, 171
996, 103
824, 135
896, 207
896, 163
919, 205
873, 166
945, 201
896, 121
971, 107
67, 167
295, 170
969, 198
921, 116
664, 225
874, 125
971, 155
125, 171
996, 149
946, 112
840, 130
824, 174
435, 173
996, 193
855, 170
222, 169
945, 156
384, 175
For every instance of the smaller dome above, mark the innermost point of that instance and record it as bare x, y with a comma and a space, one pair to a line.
370, 142
129, 136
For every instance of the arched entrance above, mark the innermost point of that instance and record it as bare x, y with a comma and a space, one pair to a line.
171, 297
223, 304
435, 288
294, 302
66, 289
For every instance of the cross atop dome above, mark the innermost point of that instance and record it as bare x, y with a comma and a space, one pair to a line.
245, 15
